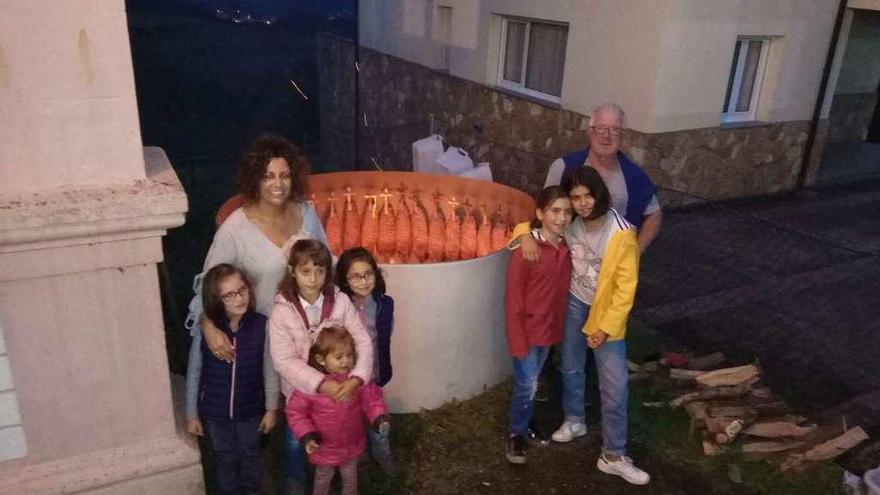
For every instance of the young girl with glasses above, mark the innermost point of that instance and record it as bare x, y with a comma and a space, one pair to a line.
359, 277
333, 432
228, 400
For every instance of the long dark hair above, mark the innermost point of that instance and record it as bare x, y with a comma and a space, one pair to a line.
546, 198
303, 251
590, 178
212, 302
348, 258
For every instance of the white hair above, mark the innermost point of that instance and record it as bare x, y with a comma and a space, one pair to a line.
609, 107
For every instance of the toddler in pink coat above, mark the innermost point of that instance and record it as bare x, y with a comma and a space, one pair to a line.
332, 431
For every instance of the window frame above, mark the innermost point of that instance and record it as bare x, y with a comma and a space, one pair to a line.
738, 73
521, 87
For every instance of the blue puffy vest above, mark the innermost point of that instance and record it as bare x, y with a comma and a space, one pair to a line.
235, 391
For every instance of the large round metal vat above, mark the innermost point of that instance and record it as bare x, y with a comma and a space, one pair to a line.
448, 340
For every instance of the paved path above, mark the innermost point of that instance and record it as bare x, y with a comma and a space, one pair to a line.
794, 281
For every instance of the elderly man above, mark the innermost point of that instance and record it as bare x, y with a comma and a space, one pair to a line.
632, 192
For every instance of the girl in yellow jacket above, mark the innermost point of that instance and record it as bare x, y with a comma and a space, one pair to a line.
605, 262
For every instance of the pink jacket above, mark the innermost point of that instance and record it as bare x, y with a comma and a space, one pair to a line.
340, 425
290, 339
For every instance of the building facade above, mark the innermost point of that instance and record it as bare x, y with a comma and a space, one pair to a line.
719, 95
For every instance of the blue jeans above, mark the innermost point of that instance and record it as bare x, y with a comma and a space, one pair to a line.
294, 457
573, 360
611, 369
236, 446
525, 382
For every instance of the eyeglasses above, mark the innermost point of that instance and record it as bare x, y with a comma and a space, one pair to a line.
608, 130
232, 295
361, 277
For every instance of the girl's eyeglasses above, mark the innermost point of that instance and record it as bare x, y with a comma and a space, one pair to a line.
361, 277
232, 295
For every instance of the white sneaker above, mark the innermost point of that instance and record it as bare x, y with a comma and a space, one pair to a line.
569, 431
624, 468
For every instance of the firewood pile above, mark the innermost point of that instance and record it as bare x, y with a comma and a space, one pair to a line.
732, 411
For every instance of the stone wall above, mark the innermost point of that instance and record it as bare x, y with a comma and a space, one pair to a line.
401, 101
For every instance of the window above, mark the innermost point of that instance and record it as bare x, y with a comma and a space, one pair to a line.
744, 82
532, 57
444, 34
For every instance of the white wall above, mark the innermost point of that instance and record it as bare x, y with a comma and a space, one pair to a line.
666, 61
698, 46
67, 100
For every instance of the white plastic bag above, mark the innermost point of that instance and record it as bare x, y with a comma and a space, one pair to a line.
480, 172
454, 161
425, 152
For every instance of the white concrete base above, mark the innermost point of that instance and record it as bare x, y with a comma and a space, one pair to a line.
166, 465
448, 341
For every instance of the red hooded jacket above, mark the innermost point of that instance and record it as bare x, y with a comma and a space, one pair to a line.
535, 296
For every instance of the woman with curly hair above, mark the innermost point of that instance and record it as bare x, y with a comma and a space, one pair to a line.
256, 237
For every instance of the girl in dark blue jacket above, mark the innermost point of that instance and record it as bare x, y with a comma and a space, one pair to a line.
358, 276
233, 402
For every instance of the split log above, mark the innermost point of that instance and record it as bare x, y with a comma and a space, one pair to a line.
680, 374
706, 362
777, 408
761, 393
768, 446
713, 393
826, 451
659, 403
634, 377
675, 359
777, 429
711, 448
651, 367
633, 367
728, 376
729, 431
697, 410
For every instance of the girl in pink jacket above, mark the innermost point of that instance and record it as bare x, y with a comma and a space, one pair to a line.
332, 431
307, 300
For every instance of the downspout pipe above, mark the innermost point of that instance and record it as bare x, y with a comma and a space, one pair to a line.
820, 99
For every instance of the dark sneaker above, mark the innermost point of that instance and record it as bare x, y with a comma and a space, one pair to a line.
535, 439
541, 394
516, 450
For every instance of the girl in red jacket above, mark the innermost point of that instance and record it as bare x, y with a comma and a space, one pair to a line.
534, 304
333, 432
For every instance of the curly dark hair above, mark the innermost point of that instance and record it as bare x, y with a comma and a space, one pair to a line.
254, 160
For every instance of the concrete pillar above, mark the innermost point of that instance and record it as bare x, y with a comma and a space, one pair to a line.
85, 396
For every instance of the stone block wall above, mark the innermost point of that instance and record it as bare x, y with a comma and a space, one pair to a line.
402, 101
